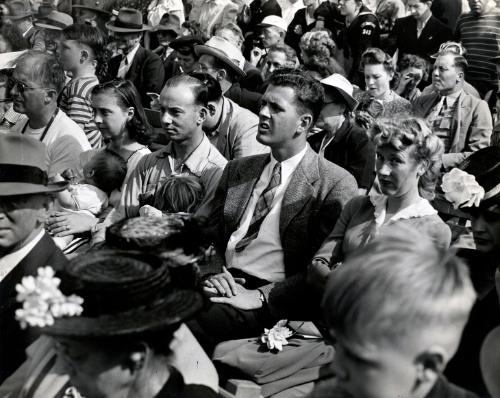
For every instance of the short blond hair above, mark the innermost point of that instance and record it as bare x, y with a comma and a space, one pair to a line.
398, 285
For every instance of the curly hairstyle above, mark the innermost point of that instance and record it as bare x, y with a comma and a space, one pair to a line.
14, 37
402, 133
92, 37
317, 44
414, 61
127, 96
375, 56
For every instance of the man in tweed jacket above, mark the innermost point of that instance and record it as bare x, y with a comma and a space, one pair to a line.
263, 276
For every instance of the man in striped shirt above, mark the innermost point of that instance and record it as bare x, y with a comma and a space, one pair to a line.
479, 32
82, 52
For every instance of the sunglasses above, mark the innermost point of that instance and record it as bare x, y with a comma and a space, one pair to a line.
21, 86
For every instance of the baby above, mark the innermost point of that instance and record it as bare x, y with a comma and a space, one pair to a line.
102, 174
179, 193
396, 311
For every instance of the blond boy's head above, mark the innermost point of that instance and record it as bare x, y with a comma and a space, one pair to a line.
397, 310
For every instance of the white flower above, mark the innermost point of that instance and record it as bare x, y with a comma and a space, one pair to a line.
461, 189
43, 301
276, 337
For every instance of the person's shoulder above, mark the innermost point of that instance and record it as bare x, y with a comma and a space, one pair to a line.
444, 389
332, 172
215, 158
242, 115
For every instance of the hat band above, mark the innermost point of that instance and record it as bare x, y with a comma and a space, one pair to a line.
22, 174
127, 25
55, 23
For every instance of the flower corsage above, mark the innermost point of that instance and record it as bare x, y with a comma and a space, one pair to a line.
43, 301
276, 337
461, 189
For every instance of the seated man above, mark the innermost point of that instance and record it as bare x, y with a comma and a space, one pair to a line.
271, 213
141, 66
184, 109
279, 56
462, 121
396, 311
229, 127
224, 61
20, 14
272, 32
24, 246
36, 83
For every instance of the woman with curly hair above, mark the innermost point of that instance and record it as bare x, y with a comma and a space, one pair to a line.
317, 47
379, 100
408, 164
84, 56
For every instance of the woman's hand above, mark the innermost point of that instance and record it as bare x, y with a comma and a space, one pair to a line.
64, 223
317, 274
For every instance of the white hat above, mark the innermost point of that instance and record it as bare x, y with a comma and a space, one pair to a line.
8, 60
223, 50
342, 86
274, 20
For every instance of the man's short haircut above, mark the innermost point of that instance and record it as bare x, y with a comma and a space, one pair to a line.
179, 193
458, 60
290, 54
198, 87
91, 37
399, 285
46, 71
214, 89
309, 93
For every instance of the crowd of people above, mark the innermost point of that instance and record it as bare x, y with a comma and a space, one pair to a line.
284, 198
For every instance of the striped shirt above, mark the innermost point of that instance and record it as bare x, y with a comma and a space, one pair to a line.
75, 102
480, 35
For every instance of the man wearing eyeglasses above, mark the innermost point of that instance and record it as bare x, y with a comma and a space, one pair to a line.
35, 85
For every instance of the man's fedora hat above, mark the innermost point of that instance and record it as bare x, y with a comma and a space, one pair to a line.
94, 5
43, 11
23, 167
342, 86
55, 21
169, 22
188, 41
124, 293
129, 20
18, 9
224, 51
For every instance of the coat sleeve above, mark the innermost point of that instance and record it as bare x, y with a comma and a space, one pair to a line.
153, 74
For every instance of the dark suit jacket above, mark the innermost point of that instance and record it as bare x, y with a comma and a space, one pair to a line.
13, 340
404, 37
351, 149
313, 200
244, 98
471, 125
259, 11
146, 72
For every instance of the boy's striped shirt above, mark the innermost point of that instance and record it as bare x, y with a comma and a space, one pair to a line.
75, 102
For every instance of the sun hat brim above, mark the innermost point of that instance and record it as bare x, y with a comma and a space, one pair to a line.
350, 101
201, 49
46, 25
111, 26
175, 308
23, 188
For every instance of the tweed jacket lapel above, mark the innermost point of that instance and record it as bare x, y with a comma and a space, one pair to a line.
240, 193
461, 118
426, 104
300, 189
137, 63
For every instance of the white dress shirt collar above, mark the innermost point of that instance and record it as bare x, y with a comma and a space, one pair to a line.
288, 166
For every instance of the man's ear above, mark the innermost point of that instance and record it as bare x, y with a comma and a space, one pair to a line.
305, 123
51, 95
221, 75
211, 109
202, 115
430, 365
84, 56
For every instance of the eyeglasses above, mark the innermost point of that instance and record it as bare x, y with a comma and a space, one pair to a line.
21, 86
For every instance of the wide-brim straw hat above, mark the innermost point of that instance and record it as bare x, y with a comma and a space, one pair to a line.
23, 167
342, 86
224, 51
124, 293
55, 21
128, 20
